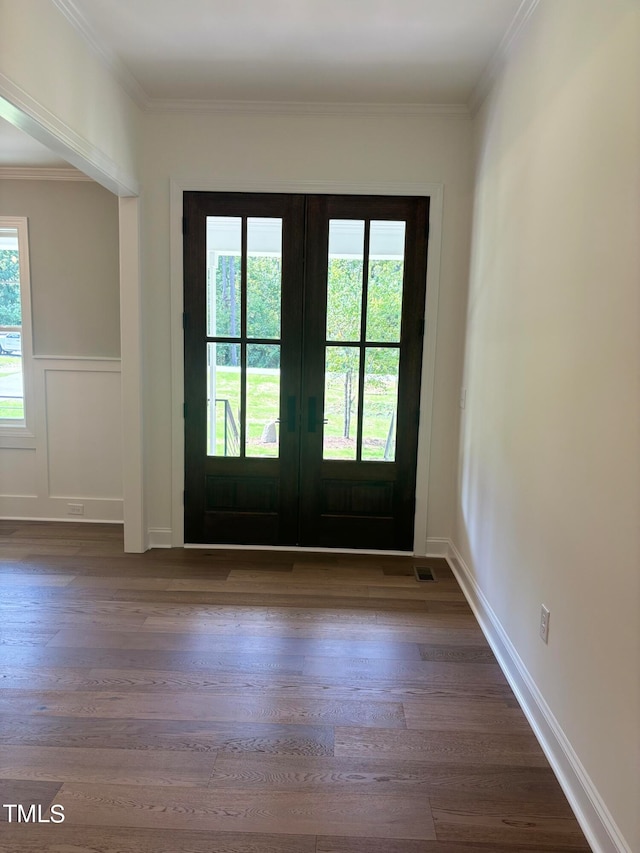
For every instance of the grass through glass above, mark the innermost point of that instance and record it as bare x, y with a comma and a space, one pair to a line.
263, 402
223, 404
263, 397
11, 394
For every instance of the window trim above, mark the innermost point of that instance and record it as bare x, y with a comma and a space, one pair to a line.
13, 430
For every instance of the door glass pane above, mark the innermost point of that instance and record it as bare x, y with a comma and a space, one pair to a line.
224, 276
263, 400
386, 271
264, 274
11, 381
380, 403
223, 403
340, 433
344, 279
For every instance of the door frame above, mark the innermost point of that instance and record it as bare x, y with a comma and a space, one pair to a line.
174, 537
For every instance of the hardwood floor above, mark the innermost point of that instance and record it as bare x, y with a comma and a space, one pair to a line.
210, 701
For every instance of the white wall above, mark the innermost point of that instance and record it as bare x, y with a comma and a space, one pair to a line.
548, 495
73, 236
75, 455
189, 148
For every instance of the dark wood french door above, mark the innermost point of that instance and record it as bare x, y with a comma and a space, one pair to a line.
304, 319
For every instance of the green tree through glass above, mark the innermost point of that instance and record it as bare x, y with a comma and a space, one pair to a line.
10, 307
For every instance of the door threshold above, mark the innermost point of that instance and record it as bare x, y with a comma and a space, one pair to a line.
298, 548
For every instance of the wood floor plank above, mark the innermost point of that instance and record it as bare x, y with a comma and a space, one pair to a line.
269, 588
335, 578
487, 715
495, 821
41, 678
374, 668
167, 735
48, 621
301, 577
181, 661
456, 653
521, 750
408, 619
419, 592
382, 776
121, 565
13, 550
235, 810
26, 792
296, 599
107, 766
102, 582
229, 644
360, 630
325, 571
101, 839
328, 844
283, 686
55, 597
212, 707
12, 580
107, 606
28, 637
376, 845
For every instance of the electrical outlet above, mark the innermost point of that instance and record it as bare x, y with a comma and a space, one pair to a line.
75, 509
544, 623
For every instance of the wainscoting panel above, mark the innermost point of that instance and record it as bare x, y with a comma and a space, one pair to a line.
83, 414
73, 470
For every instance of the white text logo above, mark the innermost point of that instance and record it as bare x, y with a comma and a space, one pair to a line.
33, 814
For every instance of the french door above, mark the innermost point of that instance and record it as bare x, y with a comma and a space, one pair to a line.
303, 327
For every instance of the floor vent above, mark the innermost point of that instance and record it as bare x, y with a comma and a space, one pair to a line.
423, 573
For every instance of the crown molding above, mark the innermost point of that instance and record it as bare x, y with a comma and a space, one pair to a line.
103, 53
516, 28
304, 108
41, 173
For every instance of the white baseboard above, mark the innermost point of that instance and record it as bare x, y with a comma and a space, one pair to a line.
159, 537
438, 548
590, 810
34, 508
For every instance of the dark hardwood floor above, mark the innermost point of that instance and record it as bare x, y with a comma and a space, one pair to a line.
210, 701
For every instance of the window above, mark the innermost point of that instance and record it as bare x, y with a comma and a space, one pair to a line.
15, 325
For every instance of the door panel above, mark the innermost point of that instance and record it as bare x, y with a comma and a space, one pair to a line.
358, 479
303, 343
243, 307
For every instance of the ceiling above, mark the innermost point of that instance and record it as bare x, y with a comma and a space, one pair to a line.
419, 52
18, 149
382, 51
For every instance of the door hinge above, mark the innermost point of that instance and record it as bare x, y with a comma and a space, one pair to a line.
422, 327
185, 320
184, 410
185, 227
184, 497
